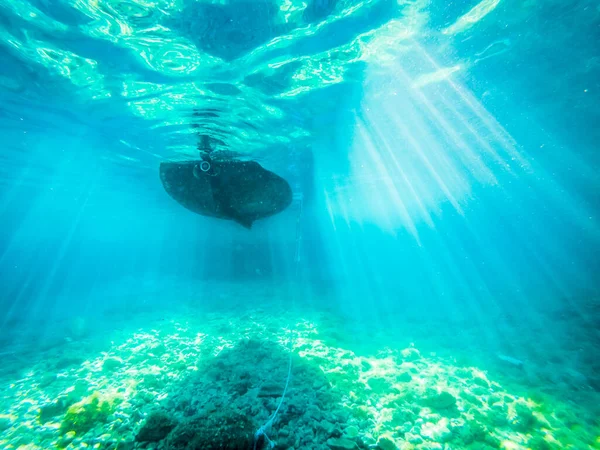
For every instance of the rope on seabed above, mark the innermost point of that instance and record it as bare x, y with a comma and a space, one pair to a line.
262, 431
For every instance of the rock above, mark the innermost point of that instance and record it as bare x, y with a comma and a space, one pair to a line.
493, 442
53, 409
410, 354
498, 418
413, 438
523, 419
66, 439
111, 363
495, 399
361, 412
327, 427
86, 414
431, 446
470, 432
379, 384
210, 407
5, 423
386, 443
401, 416
440, 401
481, 381
81, 387
471, 398
318, 384
226, 428
314, 412
157, 350
156, 427
480, 390
404, 377
538, 443
436, 432
47, 379
351, 431
67, 361
341, 444
125, 445
270, 390
152, 380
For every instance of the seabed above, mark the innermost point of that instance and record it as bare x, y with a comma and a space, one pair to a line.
207, 377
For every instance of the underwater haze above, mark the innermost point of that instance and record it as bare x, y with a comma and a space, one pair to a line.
434, 283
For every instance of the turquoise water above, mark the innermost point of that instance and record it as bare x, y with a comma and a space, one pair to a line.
433, 285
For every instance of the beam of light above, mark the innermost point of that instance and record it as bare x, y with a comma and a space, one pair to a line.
420, 151
396, 200
515, 160
396, 166
473, 16
489, 122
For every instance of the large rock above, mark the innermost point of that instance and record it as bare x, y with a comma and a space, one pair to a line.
386, 443
224, 429
157, 427
341, 444
440, 401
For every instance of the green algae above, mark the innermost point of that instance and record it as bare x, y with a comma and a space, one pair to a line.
87, 413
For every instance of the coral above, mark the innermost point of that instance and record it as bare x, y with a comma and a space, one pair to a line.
84, 415
156, 427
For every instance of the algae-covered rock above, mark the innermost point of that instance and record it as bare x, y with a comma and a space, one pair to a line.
379, 384
225, 429
538, 443
326, 426
156, 427
47, 379
66, 439
52, 409
440, 401
404, 377
341, 444
351, 431
431, 446
360, 412
386, 443
5, 423
84, 415
111, 364
479, 380
523, 419
492, 441
413, 438
410, 354
402, 415
470, 432
436, 432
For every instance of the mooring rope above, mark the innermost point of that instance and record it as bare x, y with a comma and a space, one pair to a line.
262, 431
